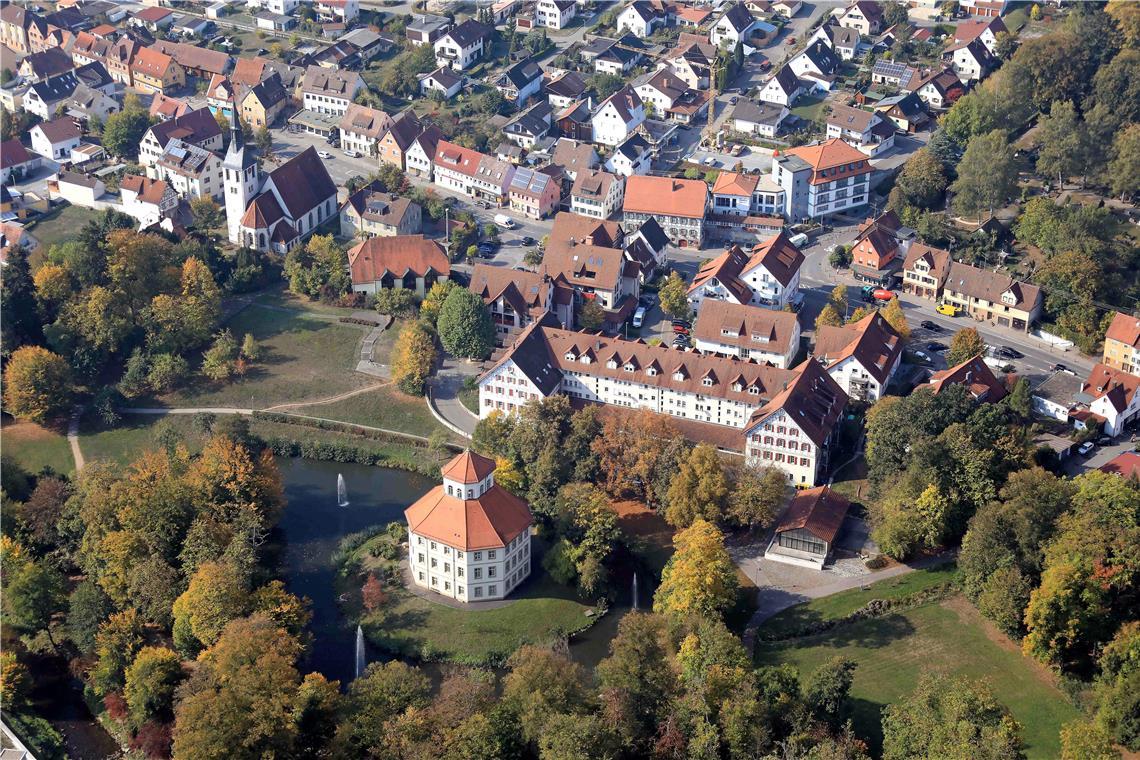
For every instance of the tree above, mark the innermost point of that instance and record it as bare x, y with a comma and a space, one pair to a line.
674, 295
208, 215
87, 608
413, 359
465, 328
396, 302
827, 691
949, 718
19, 322
894, 316
699, 489
839, 257
576, 737
150, 683
756, 496
921, 183
542, 683
372, 593
250, 348
218, 362
34, 592
1127, 18
433, 301
1005, 45
966, 344
216, 595
1124, 168
37, 384
700, 577
638, 678
382, 693
1061, 142
894, 14
1085, 740
839, 298
828, 317
605, 85
123, 132
263, 139
314, 715
987, 174
591, 316
41, 516
319, 269
119, 638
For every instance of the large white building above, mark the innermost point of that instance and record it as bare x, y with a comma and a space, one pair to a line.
468, 538
193, 172
748, 332
618, 116
862, 357
767, 275
472, 173
710, 398
831, 177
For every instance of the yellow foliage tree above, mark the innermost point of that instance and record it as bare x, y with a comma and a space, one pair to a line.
828, 317
216, 595
700, 577
699, 489
893, 313
413, 359
37, 384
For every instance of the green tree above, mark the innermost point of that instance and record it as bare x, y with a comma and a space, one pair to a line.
208, 215
263, 139
591, 316
949, 718
639, 678
1085, 740
827, 691
1003, 597
413, 359
895, 13
674, 296
19, 322
88, 607
216, 595
314, 715
756, 496
605, 85
119, 638
123, 132
987, 174
1124, 168
700, 577
218, 362
150, 683
465, 328
319, 269
699, 489
34, 593
380, 695
966, 344
542, 683
37, 384
576, 737
921, 183
1061, 142
396, 302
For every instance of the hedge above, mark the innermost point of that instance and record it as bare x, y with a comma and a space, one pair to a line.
372, 434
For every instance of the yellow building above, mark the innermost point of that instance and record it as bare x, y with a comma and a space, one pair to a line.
1122, 343
156, 72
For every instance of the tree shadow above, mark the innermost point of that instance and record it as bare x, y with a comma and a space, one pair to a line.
869, 634
867, 720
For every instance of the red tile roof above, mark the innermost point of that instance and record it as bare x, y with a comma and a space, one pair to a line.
832, 159
373, 258
1124, 328
666, 196
976, 375
820, 511
1126, 465
491, 521
871, 340
468, 467
1118, 385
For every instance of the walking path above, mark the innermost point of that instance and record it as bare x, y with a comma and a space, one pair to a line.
443, 396
329, 400
73, 439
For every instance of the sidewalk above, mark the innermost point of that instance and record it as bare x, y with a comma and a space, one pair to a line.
443, 396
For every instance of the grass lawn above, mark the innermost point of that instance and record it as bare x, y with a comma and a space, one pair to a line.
1016, 19
843, 604
469, 397
949, 638
135, 433
406, 457
415, 627
810, 109
35, 447
384, 407
303, 358
58, 226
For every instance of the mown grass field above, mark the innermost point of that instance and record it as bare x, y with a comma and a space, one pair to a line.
947, 637
34, 447
58, 226
384, 407
134, 434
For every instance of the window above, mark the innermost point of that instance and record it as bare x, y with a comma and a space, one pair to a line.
478, 556
421, 559
446, 586
478, 573
434, 581
458, 554
491, 572
478, 591
459, 571
433, 546
492, 590
434, 562
803, 544
421, 576
447, 567
459, 590
491, 554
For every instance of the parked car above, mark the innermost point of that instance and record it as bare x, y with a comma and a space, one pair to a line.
1009, 352
936, 346
647, 300
682, 323
934, 327
505, 221
638, 317
682, 341
680, 329
949, 309
733, 100
324, 154
527, 241
351, 153
1086, 448
1105, 440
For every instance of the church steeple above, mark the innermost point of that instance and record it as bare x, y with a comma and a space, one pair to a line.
241, 179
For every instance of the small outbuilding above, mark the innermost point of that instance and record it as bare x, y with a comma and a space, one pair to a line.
808, 528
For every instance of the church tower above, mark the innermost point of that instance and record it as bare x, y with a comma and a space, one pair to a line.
240, 179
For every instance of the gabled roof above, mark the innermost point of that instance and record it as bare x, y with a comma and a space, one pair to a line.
822, 57
468, 33
645, 10
59, 130
772, 329
871, 341
303, 182
523, 73
625, 101
48, 62
593, 184
195, 57
248, 71
151, 62
667, 196
398, 255
404, 129
871, 11
1124, 328
331, 82
55, 88
269, 92
854, 119
445, 77
529, 182
738, 17
362, 120
194, 127
13, 153
569, 85
758, 113
976, 375
1126, 465
830, 160
982, 283
813, 400
262, 212
971, 29
574, 156
778, 255
153, 14
1114, 384
937, 259
633, 148
653, 235
841, 36
732, 183
787, 80
820, 511
585, 251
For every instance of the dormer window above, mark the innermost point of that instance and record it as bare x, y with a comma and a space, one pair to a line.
611, 364
570, 356
754, 391
679, 376
585, 359
628, 367
1008, 297
651, 371
738, 387
708, 381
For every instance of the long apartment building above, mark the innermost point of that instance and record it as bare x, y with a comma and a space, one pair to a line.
472, 173
722, 400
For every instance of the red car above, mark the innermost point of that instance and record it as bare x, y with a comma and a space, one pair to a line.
680, 329
882, 294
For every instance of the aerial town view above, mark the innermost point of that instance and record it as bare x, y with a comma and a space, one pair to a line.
570, 379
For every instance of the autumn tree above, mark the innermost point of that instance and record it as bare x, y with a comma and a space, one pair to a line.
433, 301
756, 496
633, 454
674, 295
319, 269
591, 316
965, 344
699, 489
413, 359
119, 638
542, 683
829, 316
375, 700
176, 323
208, 215
921, 183
150, 683
37, 384
987, 174
372, 593
895, 317
1124, 168
464, 325
1061, 137
123, 131
216, 595
700, 577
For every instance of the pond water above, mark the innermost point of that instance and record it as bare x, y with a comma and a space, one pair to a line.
312, 526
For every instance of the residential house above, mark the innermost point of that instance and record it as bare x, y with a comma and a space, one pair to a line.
420, 154
618, 116
861, 357
402, 132
993, 297
460, 47
679, 206
443, 80
905, 111
13, 234
197, 128
767, 275
471, 173
588, 254
275, 211
328, 91
554, 14
163, 107
940, 89
192, 171
368, 43
154, 19
668, 97
863, 16
199, 62
597, 194
411, 262
744, 206
156, 72
732, 193
692, 60
221, 94
972, 61
1113, 397
1125, 465
925, 270
530, 126
817, 64
16, 162
362, 127
86, 103
573, 121
617, 59
754, 118
895, 74
265, 102
984, 8
807, 531
641, 18
574, 157
344, 11
985, 29
89, 48
449, 534
533, 193
55, 139
976, 376
783, 88
747, 332
77, 189
1122, 343
14, 23
634, 156
425, 29
822, 179
519, 82
734, 26
517, 298
119, 58
648, 245
371, 212
565, 89
870, 133
880, 249
147, 200
47, 63
44, 97
843, 40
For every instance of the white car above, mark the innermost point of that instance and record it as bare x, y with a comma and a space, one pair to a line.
638, 317
324, 154
1086, 448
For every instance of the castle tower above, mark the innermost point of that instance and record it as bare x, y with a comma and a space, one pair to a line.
240, 179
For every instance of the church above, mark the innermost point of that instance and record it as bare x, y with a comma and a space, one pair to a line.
274, 212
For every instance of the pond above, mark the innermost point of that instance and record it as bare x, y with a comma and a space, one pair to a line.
312, 526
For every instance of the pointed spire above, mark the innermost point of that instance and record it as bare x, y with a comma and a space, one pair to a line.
235, 133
